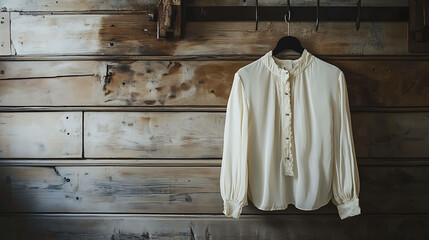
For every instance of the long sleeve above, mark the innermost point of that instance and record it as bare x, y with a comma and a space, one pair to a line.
234, 169
345, 182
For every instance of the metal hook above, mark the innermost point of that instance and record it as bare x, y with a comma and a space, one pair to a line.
287, 20
317, 15
287, 16
257, 16
358, 15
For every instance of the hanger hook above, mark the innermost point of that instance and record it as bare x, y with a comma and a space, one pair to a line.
287, 16
257, 16
317, 15
287, 20
358, 15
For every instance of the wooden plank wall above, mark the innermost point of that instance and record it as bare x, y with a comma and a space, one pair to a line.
108, 133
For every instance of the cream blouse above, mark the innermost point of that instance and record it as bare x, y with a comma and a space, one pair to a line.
288, 138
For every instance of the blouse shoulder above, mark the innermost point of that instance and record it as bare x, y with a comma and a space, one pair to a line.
326, 65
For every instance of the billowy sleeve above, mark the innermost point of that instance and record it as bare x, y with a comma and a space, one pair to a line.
345, 182
234, 168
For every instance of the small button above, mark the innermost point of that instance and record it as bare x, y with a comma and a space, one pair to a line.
287, 138
287, 114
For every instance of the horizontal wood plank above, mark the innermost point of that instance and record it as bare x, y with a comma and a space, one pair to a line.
153, 134
206, 162
375, 83
391, 134
281, 3
122, 34
41, 134
5, 34
200, 135
117, 5
117, 189
69, 226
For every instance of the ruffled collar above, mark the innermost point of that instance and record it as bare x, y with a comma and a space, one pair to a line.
298, 64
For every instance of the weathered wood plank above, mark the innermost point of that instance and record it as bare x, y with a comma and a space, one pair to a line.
206, 162
391, 134
59, 91
69, 226
5, 34
119, 34
49, 69
200, 135
153, 134
155, 162
372, 3
384, 83
116, 5
118, 189
89, 5
41, 134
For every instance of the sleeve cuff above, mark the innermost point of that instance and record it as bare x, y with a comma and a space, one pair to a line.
232, 209
349, 208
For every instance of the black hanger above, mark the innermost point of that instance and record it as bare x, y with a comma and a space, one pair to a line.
288, 42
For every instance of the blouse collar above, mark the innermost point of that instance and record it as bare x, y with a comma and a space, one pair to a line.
299, 64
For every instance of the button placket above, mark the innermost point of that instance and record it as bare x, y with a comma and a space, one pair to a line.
287, 134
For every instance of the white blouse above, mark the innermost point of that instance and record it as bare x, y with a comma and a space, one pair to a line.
288, 138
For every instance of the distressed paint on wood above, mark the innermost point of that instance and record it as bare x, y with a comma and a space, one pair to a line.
118, 189
123, 34
41, 134
200, 134
384, 83
5, 48
169, 83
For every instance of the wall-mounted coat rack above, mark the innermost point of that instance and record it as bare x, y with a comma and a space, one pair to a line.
298, 13
170, 16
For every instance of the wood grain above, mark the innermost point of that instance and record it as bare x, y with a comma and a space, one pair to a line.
41, 134
396, 82
153, 134
120, 189
393, 135
123, 34
118, 5
65, 226
5, 34
199, 134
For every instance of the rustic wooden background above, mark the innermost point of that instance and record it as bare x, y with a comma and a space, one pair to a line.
108, 133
